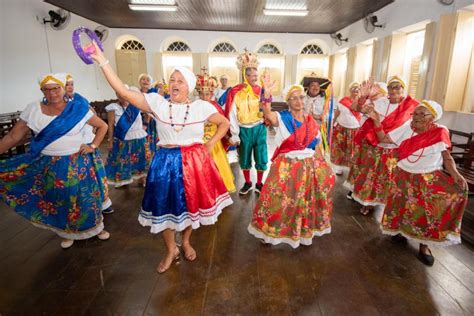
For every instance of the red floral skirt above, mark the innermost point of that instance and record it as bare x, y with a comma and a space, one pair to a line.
371, 174
425, 207
295, 203
343, 147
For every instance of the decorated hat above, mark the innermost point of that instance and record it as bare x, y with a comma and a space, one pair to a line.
290, 89
247, 60
313, 77
395, 80
205, 82
433, 107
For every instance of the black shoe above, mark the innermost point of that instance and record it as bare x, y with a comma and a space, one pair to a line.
349, 196
258, 188
426, 258
108, 210
398, 239
246, 188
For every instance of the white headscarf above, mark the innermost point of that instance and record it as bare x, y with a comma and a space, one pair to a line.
188, 75
291, 88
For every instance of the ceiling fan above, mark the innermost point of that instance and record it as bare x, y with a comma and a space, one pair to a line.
370, 23
102, 33
337, 37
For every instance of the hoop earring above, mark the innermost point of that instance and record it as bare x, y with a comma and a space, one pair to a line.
66, 98
45, 101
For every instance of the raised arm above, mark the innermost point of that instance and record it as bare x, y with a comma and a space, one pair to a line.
13, 137
134, 97
266, 106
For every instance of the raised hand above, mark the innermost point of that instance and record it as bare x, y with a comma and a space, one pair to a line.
95, 52
268, 84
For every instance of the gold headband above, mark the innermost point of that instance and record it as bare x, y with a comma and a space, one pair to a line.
292, 89
430, 108
48, 78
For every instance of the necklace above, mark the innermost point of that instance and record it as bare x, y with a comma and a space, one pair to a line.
178, 129
419, 157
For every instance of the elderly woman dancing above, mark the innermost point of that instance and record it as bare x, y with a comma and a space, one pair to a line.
184, 189
295, 203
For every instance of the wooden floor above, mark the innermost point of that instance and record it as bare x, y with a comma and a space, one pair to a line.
353, 271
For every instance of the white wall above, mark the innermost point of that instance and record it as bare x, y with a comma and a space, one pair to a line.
25, 55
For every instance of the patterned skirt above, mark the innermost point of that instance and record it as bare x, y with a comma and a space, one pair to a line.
295, 203
425, 207
127, 161
342, 148
101, 179
183, 188
59, 193
371, 173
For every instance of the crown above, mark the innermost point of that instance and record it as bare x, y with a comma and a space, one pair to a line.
247, 60
205, 82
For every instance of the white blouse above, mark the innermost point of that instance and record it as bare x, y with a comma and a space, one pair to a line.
64, 146
346, 118
424, 160
135, 131
314, 105
282, 133
193, 131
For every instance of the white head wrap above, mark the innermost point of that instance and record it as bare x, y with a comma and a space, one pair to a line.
397, 79
59, 78
188, 75
382, 86
145, 75
291, 88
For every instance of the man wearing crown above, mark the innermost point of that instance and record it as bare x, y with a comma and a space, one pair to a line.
247, 130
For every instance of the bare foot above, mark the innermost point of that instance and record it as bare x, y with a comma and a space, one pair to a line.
189, 252
166, 263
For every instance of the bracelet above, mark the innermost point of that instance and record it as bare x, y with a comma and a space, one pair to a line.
379, 129
105, 62
265, 100
93, 146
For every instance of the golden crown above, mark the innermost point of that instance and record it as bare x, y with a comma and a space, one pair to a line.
205, 82
247, 60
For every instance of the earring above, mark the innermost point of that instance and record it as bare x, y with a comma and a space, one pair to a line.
66, 98
45, 101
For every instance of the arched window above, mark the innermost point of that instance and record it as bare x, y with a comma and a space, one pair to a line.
269, 49
224, 47
132, 45
178, 46
312, 49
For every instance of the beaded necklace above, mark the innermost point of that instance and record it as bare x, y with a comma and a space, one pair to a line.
178, 129
421, 154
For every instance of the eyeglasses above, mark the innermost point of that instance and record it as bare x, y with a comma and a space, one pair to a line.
51, 90
301, 97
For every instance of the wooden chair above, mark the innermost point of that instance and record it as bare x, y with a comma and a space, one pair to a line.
460, 144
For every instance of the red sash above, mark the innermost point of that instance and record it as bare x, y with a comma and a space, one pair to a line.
423, 140
217, 106
401, 114
347, 102
298, 139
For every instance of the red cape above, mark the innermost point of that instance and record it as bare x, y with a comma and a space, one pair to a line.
347, 102
423, 140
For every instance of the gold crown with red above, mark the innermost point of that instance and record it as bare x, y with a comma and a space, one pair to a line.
205, 82
247, 60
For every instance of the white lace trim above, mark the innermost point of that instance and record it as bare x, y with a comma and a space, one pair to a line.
293, 243
125, 182
74, 236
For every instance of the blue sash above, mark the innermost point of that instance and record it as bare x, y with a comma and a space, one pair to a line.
74, 112
125, 122
288, 120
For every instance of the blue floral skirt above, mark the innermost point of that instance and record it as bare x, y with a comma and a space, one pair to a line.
128, 160
59, 193
101, 179
152, 137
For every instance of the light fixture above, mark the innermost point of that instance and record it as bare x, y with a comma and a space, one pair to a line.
285, 12
152, 7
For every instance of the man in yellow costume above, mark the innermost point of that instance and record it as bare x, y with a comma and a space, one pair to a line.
246, 122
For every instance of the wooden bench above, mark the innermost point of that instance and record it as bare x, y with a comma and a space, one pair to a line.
460, 142
99, 108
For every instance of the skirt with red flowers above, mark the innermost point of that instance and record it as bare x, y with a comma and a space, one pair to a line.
127, 161
371, 173
342, 148
425, 207
59, 193
295, 203
101, 179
